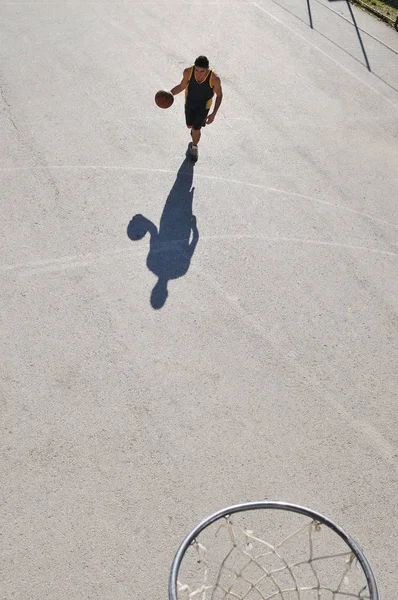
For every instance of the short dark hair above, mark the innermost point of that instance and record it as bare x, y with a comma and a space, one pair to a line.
202, 62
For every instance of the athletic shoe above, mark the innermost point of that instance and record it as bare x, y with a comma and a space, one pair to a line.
194, 152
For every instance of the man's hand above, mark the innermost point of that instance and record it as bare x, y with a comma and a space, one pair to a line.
184, 82
210, 118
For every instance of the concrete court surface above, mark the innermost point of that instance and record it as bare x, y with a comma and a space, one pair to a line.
269, 367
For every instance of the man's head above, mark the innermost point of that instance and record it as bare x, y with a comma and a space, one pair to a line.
201, 66
202, 62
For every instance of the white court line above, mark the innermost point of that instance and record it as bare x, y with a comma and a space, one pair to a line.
370, 433
63, 262
202, 176
336, 62
77, 261
295, 240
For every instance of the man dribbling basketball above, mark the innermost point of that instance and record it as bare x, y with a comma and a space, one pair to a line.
200, 85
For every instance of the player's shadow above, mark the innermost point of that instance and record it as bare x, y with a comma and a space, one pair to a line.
172, 246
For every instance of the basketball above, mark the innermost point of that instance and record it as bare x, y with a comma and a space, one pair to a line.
164, 99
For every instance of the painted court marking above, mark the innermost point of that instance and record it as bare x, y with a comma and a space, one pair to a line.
376, 439
77, 261
81, 260
202, 176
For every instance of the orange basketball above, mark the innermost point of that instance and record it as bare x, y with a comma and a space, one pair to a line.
164, 99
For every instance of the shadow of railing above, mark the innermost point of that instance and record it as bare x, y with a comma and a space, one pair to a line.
371, 59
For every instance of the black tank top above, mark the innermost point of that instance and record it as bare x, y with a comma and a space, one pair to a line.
199, 94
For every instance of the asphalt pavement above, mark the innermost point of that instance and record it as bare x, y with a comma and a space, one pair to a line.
178, 338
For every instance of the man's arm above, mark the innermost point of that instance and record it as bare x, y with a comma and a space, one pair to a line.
195, 236
184, 82
218, 92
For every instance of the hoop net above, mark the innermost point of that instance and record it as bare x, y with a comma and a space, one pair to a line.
230, 562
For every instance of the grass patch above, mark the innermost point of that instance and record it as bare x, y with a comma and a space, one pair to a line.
389, 8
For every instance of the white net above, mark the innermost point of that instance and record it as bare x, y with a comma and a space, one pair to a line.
231, 562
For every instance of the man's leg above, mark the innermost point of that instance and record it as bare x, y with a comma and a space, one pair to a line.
195, 133
195, 120
199, 121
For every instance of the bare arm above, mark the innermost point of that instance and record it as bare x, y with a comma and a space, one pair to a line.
184, 82
218, 91
195, 236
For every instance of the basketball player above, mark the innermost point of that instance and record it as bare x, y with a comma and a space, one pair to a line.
200, 85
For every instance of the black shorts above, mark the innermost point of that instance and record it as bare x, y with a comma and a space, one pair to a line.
195, 117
